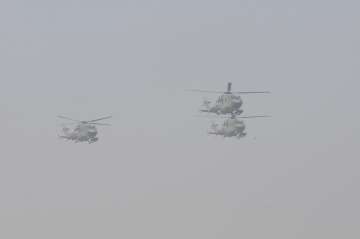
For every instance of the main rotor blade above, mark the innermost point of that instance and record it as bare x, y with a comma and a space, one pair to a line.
102, 124
206, 91
70, 123
63, 117
107, 117
254, 116
250, 92
229, 116
229, 92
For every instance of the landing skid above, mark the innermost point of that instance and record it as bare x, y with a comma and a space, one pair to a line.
238, 112
92, 140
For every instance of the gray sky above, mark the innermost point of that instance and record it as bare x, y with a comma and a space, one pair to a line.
155, 173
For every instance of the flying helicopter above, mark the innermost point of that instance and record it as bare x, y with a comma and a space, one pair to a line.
84, 131
229, 102
232, 127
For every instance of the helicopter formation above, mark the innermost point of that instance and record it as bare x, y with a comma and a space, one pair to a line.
228, 105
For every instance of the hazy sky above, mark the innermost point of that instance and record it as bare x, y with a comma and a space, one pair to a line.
156, 173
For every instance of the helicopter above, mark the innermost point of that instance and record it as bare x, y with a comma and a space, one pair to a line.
232, 127
229, 102
84, 131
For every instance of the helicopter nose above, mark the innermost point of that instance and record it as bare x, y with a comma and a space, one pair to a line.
240, 125
92, 133
238, 102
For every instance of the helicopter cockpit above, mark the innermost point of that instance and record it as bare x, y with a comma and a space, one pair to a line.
224, 99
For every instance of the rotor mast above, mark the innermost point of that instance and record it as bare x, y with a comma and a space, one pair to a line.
228, 88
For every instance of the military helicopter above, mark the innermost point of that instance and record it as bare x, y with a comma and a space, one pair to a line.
232, 127
229, 102
84, 131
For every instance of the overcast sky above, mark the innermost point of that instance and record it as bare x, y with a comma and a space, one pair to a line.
156, 173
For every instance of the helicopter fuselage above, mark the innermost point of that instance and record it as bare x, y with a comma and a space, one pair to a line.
230, 128
81, 133
226, 104
85, 131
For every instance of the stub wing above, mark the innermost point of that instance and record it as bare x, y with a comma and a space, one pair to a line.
215, 133
63, 137
205, 110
